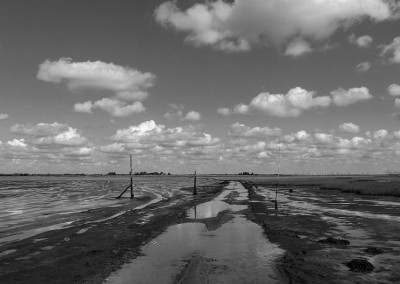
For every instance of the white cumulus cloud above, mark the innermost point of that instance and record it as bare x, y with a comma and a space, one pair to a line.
69, 137
298, 47
349, 127
46, 134
136, 133
17, 143
224, 111
381, 134
299, 136
392, 50
173, 115
364, 41
3, 116
240, 24
192, 116
84, 107
117, 108
158, 139
126, 83
176, 113
324, 138
397, 103
113, 107
291, 104
115, 148
342, 97
204, 140
240, 130
40, 130
81, 152
394, 90
363, 67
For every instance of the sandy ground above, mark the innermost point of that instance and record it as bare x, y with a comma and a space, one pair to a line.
67, 256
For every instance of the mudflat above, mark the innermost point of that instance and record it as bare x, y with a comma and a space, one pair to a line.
88, 254
329, 236
323, 236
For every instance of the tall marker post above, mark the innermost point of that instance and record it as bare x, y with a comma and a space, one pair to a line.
277, 179
130, 173
194, 185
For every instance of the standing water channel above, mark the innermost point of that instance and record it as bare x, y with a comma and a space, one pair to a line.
235, 252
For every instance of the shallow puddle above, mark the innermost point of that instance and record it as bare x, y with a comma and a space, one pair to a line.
237, 250
305, 204
365, 222
211, 209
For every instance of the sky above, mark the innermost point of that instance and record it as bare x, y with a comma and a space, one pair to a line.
212, 86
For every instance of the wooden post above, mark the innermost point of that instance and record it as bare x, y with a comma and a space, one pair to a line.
119, 196
130, 173
277, 179
194, 185
131, 184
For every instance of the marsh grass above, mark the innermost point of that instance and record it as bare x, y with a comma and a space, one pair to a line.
369, 187
363, 185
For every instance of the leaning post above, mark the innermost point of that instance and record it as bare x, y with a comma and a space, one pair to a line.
131, 184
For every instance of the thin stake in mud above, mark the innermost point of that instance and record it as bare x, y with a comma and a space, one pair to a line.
131, 185
194, 185
277, 179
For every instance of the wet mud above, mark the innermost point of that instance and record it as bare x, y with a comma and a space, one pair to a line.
329, 236
214, 244
225, 234
87, 252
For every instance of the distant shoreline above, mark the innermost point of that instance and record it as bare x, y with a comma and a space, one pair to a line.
190, 174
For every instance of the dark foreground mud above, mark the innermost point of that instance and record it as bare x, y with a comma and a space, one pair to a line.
319, 248
89, 253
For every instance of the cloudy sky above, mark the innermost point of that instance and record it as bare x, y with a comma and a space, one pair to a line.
212, 86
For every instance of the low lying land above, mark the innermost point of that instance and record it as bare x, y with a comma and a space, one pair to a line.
376, 185
331, 228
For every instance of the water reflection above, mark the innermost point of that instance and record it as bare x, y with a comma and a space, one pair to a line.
304, 203
238, 248
212, 208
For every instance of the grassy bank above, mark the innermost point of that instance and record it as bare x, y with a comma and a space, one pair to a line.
379, 185
366, 187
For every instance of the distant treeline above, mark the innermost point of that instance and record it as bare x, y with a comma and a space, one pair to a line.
247, 174
143, 174
58, 175
212, 174
109, 174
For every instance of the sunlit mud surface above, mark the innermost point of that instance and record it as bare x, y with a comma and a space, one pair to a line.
366, 221
236, 252
33, 205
